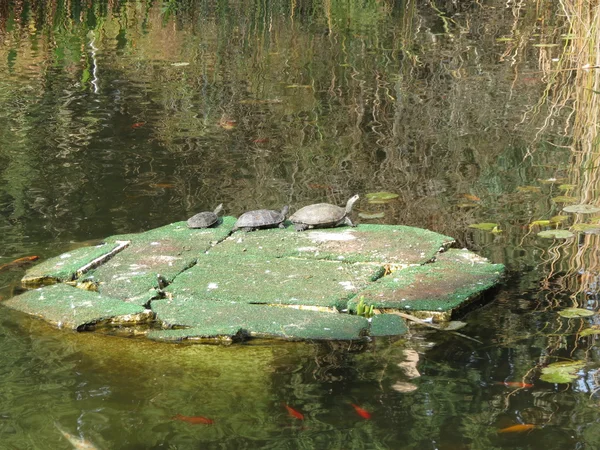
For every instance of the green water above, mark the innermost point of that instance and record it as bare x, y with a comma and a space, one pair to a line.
118, 117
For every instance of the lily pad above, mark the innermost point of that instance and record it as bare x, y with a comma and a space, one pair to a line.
564, 199
561, 372
485, 226
381, 197
588, 228
378, 215
555, 234
572, 313
581, 209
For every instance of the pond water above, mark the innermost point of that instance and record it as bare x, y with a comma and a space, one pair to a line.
118, 117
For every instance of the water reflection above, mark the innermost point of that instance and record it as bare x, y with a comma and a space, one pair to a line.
122, 116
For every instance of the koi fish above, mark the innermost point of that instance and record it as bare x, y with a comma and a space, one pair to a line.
138, 124
292, 412
520, 428
361, 412
18, 262
77, 442
195, 420
516, 384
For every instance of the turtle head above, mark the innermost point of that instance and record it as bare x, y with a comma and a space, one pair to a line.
350, 203
285, 210
218, 209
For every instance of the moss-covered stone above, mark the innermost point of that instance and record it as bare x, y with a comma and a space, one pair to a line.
454, 278
68, 307
394, 245
210, 319
72, 264
278, 281
168, 251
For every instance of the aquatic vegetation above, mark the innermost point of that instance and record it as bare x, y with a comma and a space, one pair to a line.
572, 313
364, 310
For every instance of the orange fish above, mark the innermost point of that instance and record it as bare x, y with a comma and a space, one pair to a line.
195, 420
361, 412
520, 428
18, 262
516, 384
292, 412
138, 124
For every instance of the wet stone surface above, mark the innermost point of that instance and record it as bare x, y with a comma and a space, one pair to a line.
212, 285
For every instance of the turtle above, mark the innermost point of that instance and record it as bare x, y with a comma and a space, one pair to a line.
261, 218
323, 215
205, 219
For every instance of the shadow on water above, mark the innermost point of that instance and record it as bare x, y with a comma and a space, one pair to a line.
118, 117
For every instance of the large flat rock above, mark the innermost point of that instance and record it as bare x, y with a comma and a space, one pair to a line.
68, 307
132, 275
234, 320
452, 280
384, 244
277, 281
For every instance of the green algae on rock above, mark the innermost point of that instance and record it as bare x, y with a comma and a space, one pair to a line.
216, 285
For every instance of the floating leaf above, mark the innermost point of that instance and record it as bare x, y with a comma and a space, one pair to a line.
180, 64
467, 205
555, 234
561, 372
496, 230
529, 189
559, 219
539, 223
381, 197
485, 226
566, 187
589, 332
371, 215
564, 199
573, 313
588, 228
581, 209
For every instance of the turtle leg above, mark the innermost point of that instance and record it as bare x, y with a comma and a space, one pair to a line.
281, 225
300, 226
348, 222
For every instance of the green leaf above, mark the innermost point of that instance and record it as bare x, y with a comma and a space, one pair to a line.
555, 234
566, 187
559, 219
572, 313
581, 209
485, 226
561, 372
381, 197
589, 332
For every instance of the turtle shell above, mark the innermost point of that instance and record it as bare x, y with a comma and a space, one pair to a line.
322, 214
204, 219
261, 218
